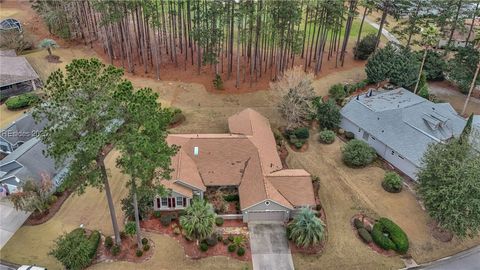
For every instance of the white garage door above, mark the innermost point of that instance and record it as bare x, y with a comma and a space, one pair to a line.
266, 216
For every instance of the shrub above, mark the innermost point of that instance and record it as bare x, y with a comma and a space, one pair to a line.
156, 214
226, 242
116, 250
130, 228
139, 253
298, 144
240, 251
435, 66
144, 241
93, 242
146, 247
21, 101
219, 221
231, 197
389, 235
211, 241
306, 229
337, 92
166, 220
357, 153
176, 115
108, 242
230, 238
218, 82
52, 199
349, 135
220, 238
302, 133
327, 136
176, 231
365, 235
75, 240
358, 223
392, 182
328, 114
232, 248
365, 47
203, 246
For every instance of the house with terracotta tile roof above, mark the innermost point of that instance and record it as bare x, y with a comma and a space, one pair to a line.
245, 159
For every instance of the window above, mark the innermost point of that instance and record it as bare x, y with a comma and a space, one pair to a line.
180, 201
164, 202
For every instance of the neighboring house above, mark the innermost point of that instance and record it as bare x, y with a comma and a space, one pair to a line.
17, 75
246, 159
400, 125
25, 156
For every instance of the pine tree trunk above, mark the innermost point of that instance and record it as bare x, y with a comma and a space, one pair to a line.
137, 215
380, 29
365, 11
473, 23
454, 23
472, 86
420, 71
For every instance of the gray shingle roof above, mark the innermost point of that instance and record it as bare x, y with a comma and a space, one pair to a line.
404, 121
22, 129
19, 70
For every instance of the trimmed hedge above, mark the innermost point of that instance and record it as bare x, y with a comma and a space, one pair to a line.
21, 101
365, 235
358, 223
392, 182
93, 242
203, 246
389, 235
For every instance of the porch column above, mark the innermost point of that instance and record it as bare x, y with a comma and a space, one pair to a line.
33, 85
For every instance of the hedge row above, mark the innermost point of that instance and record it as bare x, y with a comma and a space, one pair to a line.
21, 101
389, 235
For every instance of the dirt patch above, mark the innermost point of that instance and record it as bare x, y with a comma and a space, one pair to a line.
42, 218
127, 252
7, 116
439, 233
191, 248
53, 58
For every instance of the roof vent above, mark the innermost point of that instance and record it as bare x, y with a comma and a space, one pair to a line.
195, 151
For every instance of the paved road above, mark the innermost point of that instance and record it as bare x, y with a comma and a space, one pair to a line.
269, 246
385, 32
467, 260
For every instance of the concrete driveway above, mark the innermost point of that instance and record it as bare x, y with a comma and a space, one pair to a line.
10, 220
269, 246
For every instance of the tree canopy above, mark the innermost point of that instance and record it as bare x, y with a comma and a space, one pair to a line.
461, 68
449, 186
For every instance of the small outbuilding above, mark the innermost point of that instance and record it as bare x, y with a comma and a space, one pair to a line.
17, 75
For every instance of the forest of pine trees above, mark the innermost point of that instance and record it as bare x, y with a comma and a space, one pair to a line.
241, 39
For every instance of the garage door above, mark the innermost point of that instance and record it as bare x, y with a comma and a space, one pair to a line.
266, 216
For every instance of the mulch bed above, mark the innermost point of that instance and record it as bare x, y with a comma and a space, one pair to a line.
369, 222
439, 233
127, 253
53, 58
37, 219
190, 247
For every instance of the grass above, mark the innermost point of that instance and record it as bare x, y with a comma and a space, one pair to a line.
7, 116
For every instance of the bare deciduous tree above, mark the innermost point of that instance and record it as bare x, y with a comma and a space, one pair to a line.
296, 106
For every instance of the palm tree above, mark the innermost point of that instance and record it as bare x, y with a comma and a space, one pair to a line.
48, 44
198, 220
430, 36
306, 229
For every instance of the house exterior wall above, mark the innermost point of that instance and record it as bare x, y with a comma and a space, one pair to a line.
17, 89
266, 211
159, 205
383, 150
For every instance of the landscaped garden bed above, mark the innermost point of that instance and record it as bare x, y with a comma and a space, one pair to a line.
57, 201
108, 251
307, 233
192, 248
225, 200
296, 138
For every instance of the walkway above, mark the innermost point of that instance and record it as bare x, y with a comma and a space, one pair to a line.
269, 246
385, 32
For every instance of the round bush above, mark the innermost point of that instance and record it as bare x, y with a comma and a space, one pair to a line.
226, 242
365, 47
389, 235
358, 223
116, 250
203, 246
232, 248
302, 133
52, 199
146, 247
219, 221
211, 241
139, 253
220, 238
392, 182
357, 153
144, 241
365, 235
108, 242
166, 220
21, 101
230, 238
349, 135
240, 251
337, 92
327, 136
